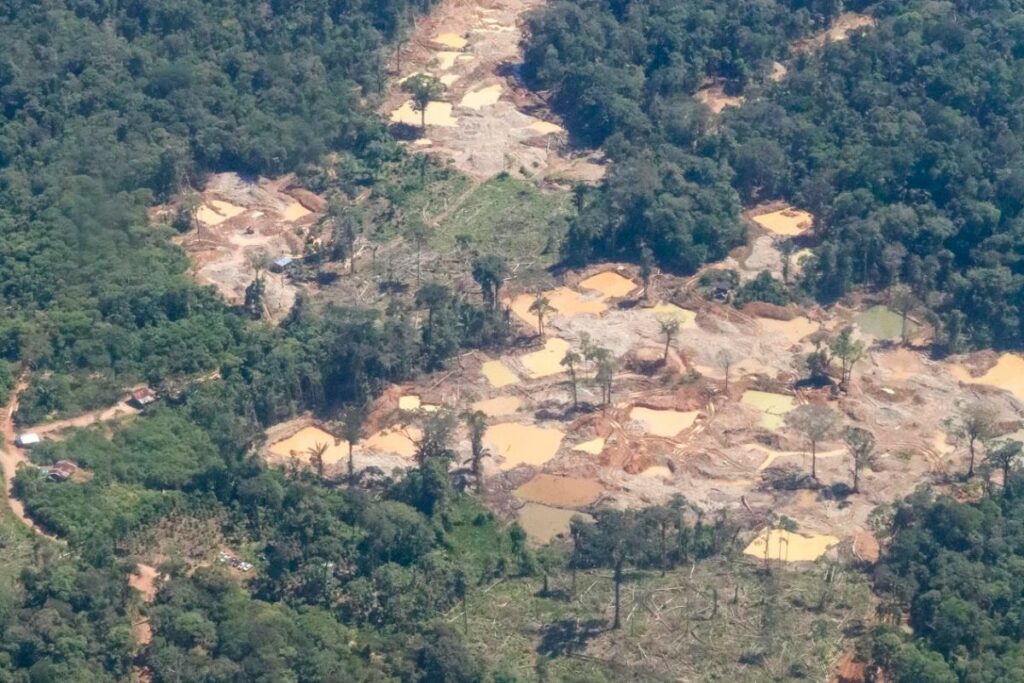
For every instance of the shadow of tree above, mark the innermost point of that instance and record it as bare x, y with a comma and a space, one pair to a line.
569, 636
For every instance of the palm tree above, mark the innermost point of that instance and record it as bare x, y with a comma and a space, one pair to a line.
541, 307
670, 328
316, 458
569, 362
352, 431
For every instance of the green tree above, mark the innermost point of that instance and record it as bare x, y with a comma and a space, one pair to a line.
423, 90
848, 351
541, 307
975, 424
570, 361
316, 458
476, 421
816, 422
1003, 454
861, 444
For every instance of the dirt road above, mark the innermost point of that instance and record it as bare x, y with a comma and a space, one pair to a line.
11, 457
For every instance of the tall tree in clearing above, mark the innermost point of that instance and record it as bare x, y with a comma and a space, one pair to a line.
423, 89
476, 421
541, 307
816, 422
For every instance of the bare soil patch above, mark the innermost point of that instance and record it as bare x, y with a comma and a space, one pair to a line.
489, 122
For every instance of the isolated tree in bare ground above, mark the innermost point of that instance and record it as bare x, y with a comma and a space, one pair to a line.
646, 269
1003, 454
476, 422
726, 358
352, 418
848, 350
670, 328
861, 444
569, 361
423, 89
541, 307
903, 300
815, 421
606, 376
316, 458
976, 423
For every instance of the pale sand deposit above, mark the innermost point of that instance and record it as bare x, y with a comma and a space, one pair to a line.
1007, 374
664, 423
773, 407
483, 97
793, 330
452, 40
592, 447
787, 222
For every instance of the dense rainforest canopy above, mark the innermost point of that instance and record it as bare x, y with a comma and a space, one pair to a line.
108, 107
904, 141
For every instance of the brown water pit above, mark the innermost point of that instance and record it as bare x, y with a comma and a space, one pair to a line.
664, 423
501, 405
215, 212
609, 283
565, 301
564, 492
299, 445
789, 547
547, 361
543, 523
520, 444
438, 114
788, 222
498, 374
397, 440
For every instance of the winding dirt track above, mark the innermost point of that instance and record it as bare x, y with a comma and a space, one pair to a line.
11, 457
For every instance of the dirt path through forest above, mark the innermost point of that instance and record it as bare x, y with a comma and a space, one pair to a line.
10, 457
488, 121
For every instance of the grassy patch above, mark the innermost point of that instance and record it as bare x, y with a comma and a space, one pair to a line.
727, 621
510, 217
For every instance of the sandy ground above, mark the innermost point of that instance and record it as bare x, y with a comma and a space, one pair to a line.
240, 219
675, 430
488, 121
841, 28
